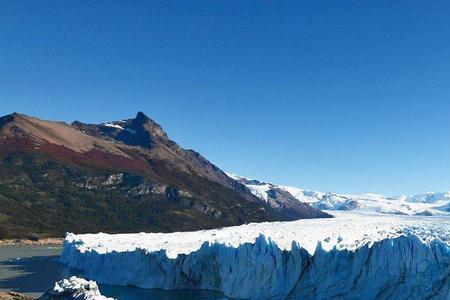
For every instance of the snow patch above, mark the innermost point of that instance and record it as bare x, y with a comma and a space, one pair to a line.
112, 125
260, 191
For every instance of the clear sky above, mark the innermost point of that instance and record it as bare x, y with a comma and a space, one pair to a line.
342, 96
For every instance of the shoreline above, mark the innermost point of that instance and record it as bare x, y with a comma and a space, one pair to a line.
28, 242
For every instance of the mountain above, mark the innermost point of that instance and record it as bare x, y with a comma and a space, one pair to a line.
424, 204
279, 199
119, 176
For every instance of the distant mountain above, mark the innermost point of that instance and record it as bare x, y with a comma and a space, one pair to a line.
280, 199
120, 176
425, 204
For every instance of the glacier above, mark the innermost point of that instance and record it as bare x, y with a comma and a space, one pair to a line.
348, 257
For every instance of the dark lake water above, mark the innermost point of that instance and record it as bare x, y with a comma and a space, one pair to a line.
32, 270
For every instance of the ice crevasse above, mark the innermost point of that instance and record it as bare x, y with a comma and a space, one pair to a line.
400, 261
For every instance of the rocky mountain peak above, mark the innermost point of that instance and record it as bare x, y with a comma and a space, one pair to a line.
10, 118
142, 117
142, 123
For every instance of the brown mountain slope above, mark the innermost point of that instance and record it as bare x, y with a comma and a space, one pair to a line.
155, 145
117, 177
39, 131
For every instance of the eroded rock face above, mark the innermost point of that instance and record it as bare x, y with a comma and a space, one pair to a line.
74, 288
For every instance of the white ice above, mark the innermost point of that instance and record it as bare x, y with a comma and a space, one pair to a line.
356, 256
75, 288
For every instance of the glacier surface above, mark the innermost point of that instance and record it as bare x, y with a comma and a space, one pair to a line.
351, 256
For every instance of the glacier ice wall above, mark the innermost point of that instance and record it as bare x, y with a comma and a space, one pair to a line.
404, 267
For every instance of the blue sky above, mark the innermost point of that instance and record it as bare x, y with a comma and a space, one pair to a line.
343, 96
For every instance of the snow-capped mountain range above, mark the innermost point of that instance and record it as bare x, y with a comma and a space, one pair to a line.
424, 204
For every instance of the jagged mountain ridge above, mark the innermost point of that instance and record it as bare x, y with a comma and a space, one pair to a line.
116, 177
